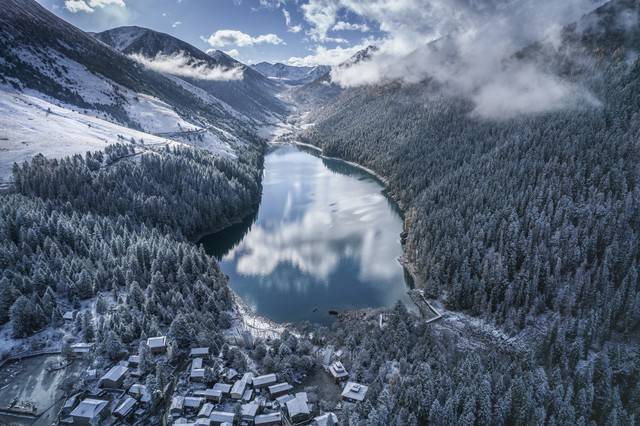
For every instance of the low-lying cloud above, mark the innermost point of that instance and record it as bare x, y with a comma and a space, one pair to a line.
224, 38
183, 65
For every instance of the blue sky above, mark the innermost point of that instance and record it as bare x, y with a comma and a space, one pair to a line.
250, 30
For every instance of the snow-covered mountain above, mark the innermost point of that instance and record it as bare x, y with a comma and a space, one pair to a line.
239, 86
290, 74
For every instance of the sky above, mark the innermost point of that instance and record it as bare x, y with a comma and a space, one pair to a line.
249, 30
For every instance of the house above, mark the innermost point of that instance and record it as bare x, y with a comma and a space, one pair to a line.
247, 395
193, 403
212, 395
268, 419
70, 404
196, 363
140, 392
125, 409
177, 405
90, 412
199, 353
114, 377
220, 417
238, 389
264, 381
81, 348
354, 392
223, 388
197, 375
279, 389
282, 400
134, 361
231, 374
158, 344
206, 410
298, 408
338, 372
68, 316
327, 419
249, 411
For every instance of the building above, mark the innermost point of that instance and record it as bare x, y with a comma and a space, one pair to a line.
68, 316
125, 409
249, 411
114, 377
140, 392
231, 374
327, 419
177, 405
224, 388
197, 372
247, 395
298, 408
338, 372
199, 353
282, 400
206, 410
354, 392
81, 348
220, 417
238, 389
211, 395
158, 344
90, 412
269, 419
279, 389
264, 381
134, 361
193, 403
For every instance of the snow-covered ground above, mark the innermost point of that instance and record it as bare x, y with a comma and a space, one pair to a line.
31, 124
155, 116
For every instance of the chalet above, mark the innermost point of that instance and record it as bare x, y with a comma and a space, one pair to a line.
193, 403
279, 389
220, 417
327, 419
114, 377
177, 405
298, 408
199, 353
264, 381
206, 410
354, 392
134, 361
140, 392
158, 344
338, 372
249, 411
90, 412
211, 395
125, 409
269, 419
224, 388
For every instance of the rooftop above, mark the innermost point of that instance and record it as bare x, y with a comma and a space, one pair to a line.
280, 387
157, 342
298, 405
354, 391
126, 407
264, 380
89, 408
199, 352
222, 416
115, 373
267, 418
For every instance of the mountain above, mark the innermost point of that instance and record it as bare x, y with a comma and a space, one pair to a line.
290, 74
253, 94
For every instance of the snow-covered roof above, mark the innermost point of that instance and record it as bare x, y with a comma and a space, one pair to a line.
193, 401
327, 419
140, 391
337, 370
80, 348
177, 403
250, 409
68, 315
196, 363
197, 373
206, 410
125, 408
89, 408
134, 359
267, 418
209, 393
238, 388
298, 405
354, 391
222, 387
282, 400
157, 342
264, 380
280, 387
199, 352
222, 416
115, 373
247, 395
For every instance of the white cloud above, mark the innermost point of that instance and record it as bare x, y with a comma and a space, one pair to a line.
325, 56
89, 6
223, 38
183, 65
175, 24
233, 53
287, 21
348, 26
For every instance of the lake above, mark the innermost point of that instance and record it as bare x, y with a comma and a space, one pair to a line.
325, 237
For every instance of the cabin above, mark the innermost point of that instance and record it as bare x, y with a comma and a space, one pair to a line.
338, 372
298, 408
157, 345
327, 419
238, 389
177, 405
354, 392
249, 411
125, 409
221, 417
269, 419
206, 410
199, 353
279, 389
210, 395
90, 412
114, 377
264, 381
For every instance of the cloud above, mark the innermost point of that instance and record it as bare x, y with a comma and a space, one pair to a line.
175, 24
287, 21
223, 38
183, 65
233, 53
348, 26
465, 45
89, 6
325, 56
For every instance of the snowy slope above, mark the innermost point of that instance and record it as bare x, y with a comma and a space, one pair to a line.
290, 74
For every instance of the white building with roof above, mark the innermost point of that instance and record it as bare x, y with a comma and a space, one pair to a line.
298, 407
157, 344
212, 395
206, 410
90, 412
220, 417
279, 389
268, 419
354, 392
125, 408
327, 419
338, 372
193, 402
114, 377
140, 392
199, 353
249, 411
264, 381
223, 388
177, 405
238, 389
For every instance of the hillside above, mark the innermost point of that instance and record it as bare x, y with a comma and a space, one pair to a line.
289, 74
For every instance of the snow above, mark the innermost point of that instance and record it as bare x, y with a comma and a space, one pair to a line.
155, 116
32, 124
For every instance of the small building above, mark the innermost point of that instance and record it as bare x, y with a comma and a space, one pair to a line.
196, 375
206, 410
70, 404
114, 377
298, 408
177, 405
231, 374
327, 419
81, 348
140, 392
282, 400
125, 409
264, 381
269, 419
196, 363
134, 361
224, 388
338, 372
247, 395
199, 353
238, 389
193, 403
211, 395
90, 412
220, 417
68, 316
279, 389
354, 392
158, 344
249, 411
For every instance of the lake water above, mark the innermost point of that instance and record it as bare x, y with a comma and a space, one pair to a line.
325, 238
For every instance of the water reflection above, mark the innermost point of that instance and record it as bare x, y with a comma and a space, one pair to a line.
325, 237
